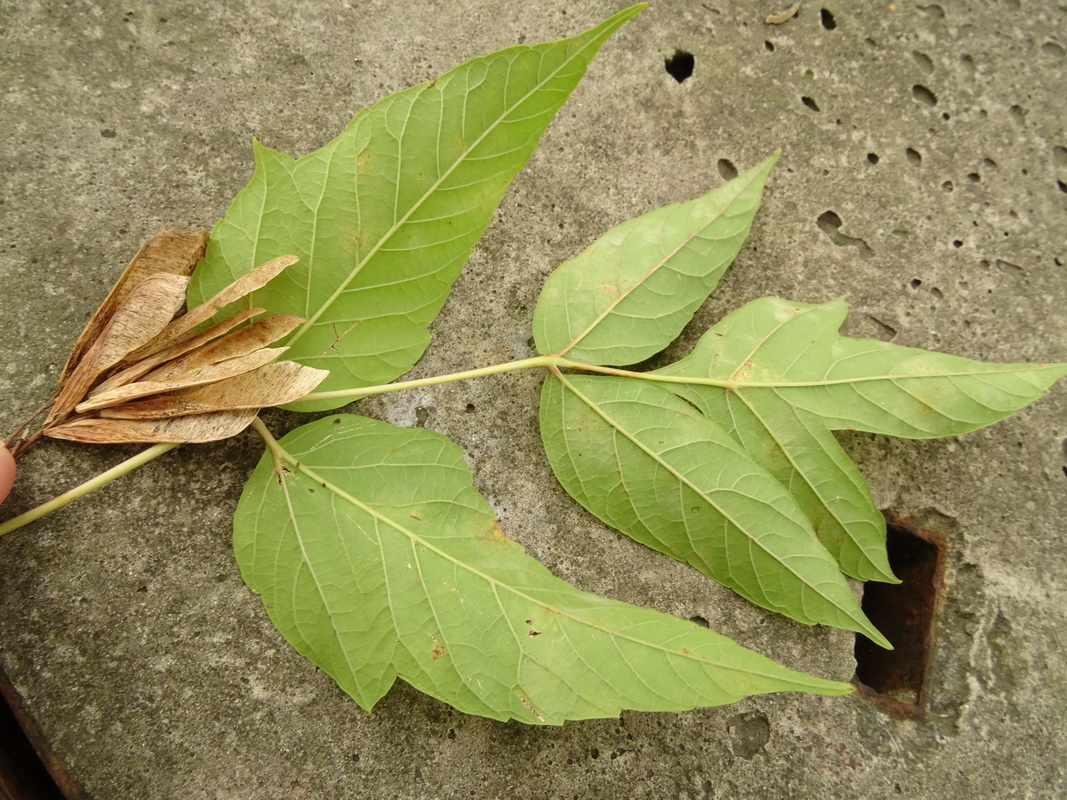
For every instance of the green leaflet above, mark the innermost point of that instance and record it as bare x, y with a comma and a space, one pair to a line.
629, 294
795, 446
377, 559
384, 217
647, 463
786, 377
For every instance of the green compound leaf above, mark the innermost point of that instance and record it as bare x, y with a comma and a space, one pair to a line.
647, 463
783, 377
377, 559
384, 216
630, 294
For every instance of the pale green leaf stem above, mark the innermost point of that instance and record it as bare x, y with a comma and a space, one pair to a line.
91, 485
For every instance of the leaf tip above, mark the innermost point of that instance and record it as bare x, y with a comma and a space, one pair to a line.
876, 636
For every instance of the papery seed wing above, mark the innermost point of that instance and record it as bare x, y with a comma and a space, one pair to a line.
271, 385
145, 312
173, 252
192, 429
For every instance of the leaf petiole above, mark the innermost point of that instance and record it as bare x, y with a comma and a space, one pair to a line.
91, 485
553, 362
495, 369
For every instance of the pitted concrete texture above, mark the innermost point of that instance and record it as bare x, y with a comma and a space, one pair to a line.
923, 176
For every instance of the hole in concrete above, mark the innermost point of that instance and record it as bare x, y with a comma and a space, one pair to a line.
1009, 268
470, 408
915, 283
947, 186
769, 45
914, 156
974, 177
1053, 49
830, 224
827, 18
923, 95
699, 620
1062, 185
905, 613
680, 65
885, 332
1018, 113
749, 733
933, 10
727, 169
923, 60
957, 243
872, 157
810, 103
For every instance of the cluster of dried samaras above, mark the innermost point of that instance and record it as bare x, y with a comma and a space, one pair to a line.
139, 374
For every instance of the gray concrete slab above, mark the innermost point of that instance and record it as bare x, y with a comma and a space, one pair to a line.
123, 620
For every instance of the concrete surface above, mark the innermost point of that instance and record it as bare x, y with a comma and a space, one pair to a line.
123, 621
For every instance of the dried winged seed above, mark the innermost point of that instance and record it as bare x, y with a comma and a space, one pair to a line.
192, 429
176, 350
271, 385
146, 311
173, 252
210, 373
245, 285
239, 343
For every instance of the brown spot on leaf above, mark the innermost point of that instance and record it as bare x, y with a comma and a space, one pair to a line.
530, 708
438, 648
494, 534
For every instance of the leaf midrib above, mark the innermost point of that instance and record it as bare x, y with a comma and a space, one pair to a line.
735, 385
623, 296
788, 453
700, 493
313, 319
302, 468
